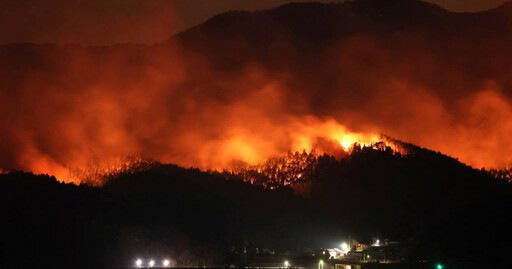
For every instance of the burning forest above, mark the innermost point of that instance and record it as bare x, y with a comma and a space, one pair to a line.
218, 137
208, 104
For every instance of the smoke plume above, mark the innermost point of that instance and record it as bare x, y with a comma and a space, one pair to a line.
64, 107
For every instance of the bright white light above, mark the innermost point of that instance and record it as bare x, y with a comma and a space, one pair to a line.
344, 247
321, 262
345, 145
286, 264
138, 262
151, 263
332, 254
166, 263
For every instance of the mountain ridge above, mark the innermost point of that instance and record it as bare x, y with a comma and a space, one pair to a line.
416, 11
420, 200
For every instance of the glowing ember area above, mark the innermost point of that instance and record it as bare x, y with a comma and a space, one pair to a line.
278, 172
296, 167
502, 174
98, 175
251, 161
345, 144
250, 158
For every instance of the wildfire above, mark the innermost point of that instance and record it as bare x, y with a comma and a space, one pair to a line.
502, 174
69, 111
345, 144
298, 167
253, 158
98, 175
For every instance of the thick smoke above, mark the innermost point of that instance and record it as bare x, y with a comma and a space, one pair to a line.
65, 107
75, 107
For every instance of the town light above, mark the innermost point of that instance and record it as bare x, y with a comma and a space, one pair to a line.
151, 263
138, 262
286, 264
332, 254
344, 246
321, 264
166, 263
439, 266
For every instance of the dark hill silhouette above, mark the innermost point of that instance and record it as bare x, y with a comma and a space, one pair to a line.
316, 25
422, 199
349, 17
302, 38
308, 27
194, 217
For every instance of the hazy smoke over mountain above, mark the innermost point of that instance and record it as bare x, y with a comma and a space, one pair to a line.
207, 103
89, 22
98, 22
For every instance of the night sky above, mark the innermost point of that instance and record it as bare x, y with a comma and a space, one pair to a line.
135, 21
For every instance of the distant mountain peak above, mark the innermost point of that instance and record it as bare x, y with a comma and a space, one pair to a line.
393, 5
334, 18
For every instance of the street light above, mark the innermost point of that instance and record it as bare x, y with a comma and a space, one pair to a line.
151, 263
138, 262
439, 266
166, 263
286, 264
